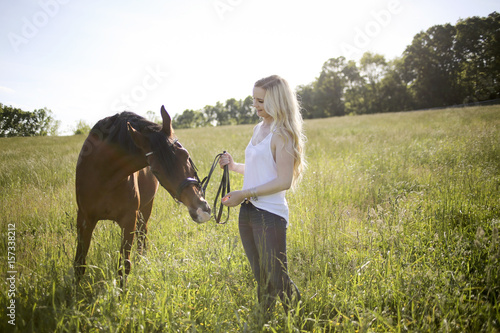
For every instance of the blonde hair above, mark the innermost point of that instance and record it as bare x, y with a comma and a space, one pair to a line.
280, 102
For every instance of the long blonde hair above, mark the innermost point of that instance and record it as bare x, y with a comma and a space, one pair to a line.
280, 102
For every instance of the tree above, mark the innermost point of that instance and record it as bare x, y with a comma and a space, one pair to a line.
355, 89
394, 91
189, 119
153, 117
82, 128
40, 122
373, 69
16, 122
232, 108
306, 97
478, 48
222, 116
434, 67
246, 113
210, 113
330, 88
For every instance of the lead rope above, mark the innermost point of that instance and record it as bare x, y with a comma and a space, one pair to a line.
224, 188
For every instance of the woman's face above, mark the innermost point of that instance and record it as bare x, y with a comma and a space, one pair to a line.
258, 102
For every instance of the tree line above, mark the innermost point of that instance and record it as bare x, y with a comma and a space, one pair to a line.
16, 122
443, 66
232, 112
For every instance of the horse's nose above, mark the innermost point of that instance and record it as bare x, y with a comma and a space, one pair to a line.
202, 213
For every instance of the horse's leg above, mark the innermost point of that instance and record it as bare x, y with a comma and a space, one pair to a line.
148, 185
84, 229
142, 226
127, 223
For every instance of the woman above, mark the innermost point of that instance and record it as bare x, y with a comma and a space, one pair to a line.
274, 161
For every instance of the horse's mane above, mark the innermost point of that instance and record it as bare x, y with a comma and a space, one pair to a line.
114, 130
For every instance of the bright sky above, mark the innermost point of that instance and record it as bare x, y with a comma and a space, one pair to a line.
90, 59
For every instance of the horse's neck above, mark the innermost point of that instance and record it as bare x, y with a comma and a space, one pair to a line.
118, 164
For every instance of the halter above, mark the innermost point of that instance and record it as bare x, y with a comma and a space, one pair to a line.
186, 182
224, 187
190, 181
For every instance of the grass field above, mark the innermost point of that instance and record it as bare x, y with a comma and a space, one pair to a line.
393, 229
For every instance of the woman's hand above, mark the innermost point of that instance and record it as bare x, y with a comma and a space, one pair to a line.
234, 198
227, 159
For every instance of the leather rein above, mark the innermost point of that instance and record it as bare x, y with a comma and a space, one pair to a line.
224, 188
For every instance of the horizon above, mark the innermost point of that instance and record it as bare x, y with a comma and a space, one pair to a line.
86, 62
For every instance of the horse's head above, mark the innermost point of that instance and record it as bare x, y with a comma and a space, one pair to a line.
172, 166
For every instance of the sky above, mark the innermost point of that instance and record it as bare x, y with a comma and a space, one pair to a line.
86, 60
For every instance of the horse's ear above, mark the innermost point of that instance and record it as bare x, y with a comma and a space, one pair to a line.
167, 122
140, 140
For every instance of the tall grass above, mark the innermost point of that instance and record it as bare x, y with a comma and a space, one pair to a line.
393, 229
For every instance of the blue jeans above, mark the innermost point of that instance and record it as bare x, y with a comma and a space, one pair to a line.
263, 235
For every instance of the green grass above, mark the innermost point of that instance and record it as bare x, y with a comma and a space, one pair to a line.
393, 229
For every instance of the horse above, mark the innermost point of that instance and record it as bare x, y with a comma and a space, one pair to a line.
119, 167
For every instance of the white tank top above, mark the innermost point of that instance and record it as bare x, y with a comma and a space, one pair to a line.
260, 168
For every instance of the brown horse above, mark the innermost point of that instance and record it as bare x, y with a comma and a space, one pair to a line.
117, 174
